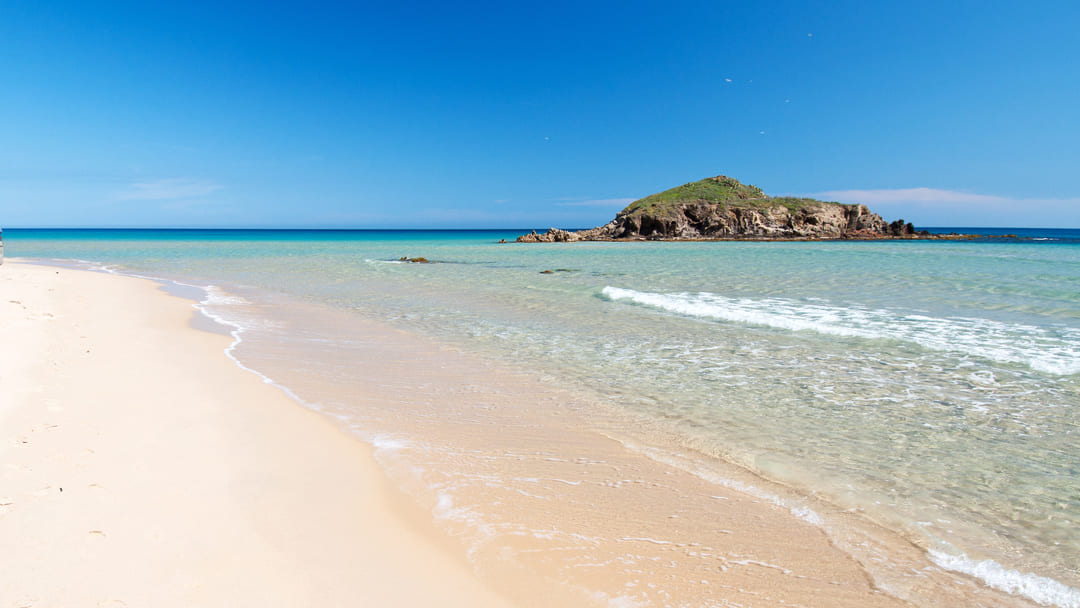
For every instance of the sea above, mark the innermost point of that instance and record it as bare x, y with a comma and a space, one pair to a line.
931, 387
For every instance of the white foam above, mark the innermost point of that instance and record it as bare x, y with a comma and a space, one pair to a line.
1051, 350
215, 297
387, 442
808, 515
1042, 590
645, 539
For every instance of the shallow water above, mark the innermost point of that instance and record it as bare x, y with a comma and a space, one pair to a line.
932, 386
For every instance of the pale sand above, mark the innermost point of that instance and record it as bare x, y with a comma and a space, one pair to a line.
139, 466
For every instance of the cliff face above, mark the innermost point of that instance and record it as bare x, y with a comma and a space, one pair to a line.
723, 208
700, 219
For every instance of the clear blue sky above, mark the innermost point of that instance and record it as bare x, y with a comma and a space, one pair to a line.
444, 114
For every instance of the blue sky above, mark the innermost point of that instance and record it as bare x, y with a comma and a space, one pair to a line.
425, 114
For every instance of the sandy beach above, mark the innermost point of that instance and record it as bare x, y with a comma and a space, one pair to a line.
141, 467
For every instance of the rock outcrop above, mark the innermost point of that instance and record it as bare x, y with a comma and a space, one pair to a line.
723, 208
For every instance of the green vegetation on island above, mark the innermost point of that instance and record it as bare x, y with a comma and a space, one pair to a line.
721, 190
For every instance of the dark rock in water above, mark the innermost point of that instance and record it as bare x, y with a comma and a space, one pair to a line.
414, 260
900, 229
553, 235
723, 208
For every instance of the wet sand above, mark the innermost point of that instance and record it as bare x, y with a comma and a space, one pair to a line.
560, 500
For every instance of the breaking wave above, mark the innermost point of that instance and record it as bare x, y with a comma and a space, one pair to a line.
1050, 350
1044, 591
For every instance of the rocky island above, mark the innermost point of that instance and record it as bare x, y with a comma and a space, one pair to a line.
718, 208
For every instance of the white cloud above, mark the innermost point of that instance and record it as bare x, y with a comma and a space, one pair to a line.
907, 195
934, 207
618, 203
168, 189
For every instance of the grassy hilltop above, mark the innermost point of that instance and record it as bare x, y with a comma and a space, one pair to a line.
723, 191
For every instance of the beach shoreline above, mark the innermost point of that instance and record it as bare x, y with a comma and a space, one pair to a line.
142, 467
606, 520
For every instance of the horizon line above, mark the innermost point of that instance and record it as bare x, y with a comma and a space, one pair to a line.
449, 229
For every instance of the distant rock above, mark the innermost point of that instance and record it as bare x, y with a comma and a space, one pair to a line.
723, 208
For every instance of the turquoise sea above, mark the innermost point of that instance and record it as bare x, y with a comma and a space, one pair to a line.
933, 386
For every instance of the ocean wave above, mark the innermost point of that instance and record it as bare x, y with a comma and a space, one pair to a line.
1050, 350
1044, 591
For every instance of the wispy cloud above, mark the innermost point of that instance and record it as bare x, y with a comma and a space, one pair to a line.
599, 202
935, 198
168, 189
908, 195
